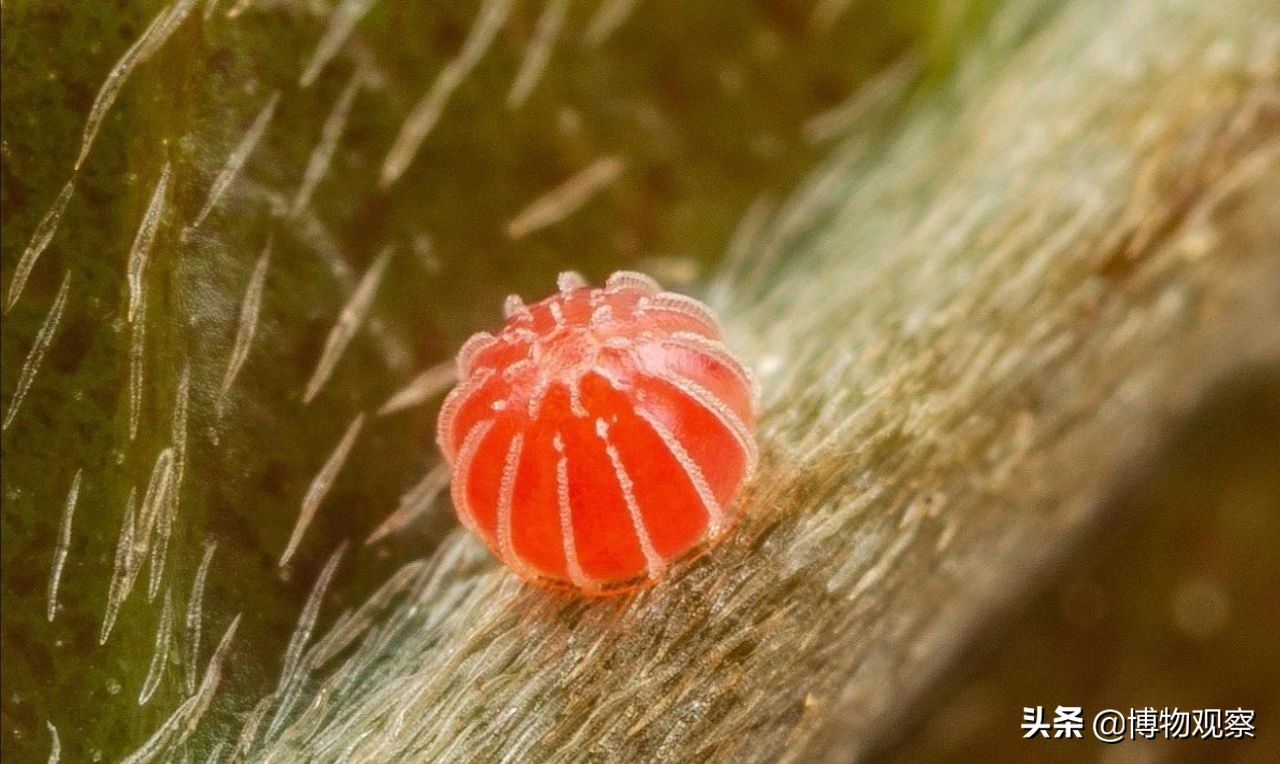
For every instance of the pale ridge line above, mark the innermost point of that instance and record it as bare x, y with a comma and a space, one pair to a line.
250, 308
538, 53
320, 485
712, 332
342, 22
40, 239
520, 331
155, 35
567, 537
566, 198
575, 398
719, 352
421, 388
414, 503
600, 315
44, 337
322, 155
506, 491
195, 616
705, 398
620, 280
466, 455
653, 561
715, 513
160, 653
137, 355
608, 17
541, 386
467, 353
236, 159
684, 305
513, 371
144, 240
424, 115
64, 544
348, 323
453, 402
120, 572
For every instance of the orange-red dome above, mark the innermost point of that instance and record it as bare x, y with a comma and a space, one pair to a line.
601, 435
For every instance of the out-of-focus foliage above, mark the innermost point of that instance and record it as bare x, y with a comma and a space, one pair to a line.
1163, 606
708, 106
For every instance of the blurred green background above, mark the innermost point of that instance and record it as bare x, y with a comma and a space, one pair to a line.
1171, 603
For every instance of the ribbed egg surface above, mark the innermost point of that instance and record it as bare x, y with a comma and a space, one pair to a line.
601, 435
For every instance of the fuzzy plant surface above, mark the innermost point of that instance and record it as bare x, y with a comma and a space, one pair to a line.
234, 231
978, 254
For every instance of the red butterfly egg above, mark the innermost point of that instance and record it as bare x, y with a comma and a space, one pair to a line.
601, 435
